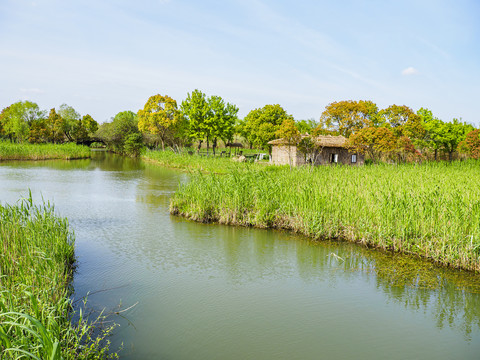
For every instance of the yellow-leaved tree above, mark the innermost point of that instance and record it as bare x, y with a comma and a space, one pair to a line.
160, 116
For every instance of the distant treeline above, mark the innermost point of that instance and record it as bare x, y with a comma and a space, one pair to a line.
396, 133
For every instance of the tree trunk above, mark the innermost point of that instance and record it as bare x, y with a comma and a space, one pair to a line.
436, 154
214, 145
199, 145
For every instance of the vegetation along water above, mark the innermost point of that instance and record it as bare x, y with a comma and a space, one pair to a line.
431, 210
26, 151
36, 265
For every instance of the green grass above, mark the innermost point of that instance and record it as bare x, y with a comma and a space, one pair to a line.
36, 265
431, 210
211, 164
13, 151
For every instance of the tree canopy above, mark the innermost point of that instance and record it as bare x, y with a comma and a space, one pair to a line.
209, 119
347, 117
260, 125
15, 120
161, 116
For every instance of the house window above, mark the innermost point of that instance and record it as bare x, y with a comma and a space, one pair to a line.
334, 158
354, 158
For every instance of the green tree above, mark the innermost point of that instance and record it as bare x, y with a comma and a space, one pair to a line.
451, 134
115, 133
209, 118
433, 128
306, 126
221, 120
90, 124
196, 110
15, 120
347, 117
133, 144
260, 125
54, 127
70, 123
160, 116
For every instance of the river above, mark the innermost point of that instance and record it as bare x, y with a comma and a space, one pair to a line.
197, 291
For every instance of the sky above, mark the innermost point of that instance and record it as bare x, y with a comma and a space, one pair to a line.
107, 56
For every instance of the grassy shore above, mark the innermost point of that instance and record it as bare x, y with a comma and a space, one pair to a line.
36, 264
431, 210
69, 151
211, 164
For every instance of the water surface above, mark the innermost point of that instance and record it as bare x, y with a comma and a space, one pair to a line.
218, 292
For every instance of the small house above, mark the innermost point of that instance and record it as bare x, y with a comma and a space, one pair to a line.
328, 150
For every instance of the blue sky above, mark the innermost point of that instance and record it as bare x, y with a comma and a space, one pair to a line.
106, 56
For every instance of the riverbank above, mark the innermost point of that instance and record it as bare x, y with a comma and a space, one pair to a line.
36, 265
68, 151
194, 162
432, 210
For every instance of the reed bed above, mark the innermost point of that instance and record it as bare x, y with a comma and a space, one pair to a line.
206, 164
431, 210
36, 264
68, 151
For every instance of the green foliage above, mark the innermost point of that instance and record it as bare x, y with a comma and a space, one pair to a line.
133, 145
306, 126
382, 206
347, 117
288, 131
209, 118
35, 272
70, 121
223, 117
160, 116
115, 133
54, 127
260, 125
195, 109
16, 119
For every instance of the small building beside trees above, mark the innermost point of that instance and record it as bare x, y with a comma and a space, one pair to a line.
314, 150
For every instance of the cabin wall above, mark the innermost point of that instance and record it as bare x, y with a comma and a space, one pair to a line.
282, 153
343, 156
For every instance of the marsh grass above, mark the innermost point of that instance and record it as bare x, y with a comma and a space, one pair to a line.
36, 264
206, 164
431, 210
68, 151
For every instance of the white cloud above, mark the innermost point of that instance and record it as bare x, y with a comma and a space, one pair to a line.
409, 71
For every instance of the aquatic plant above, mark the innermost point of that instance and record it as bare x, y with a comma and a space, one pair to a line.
25, 151
36, 265
431, 210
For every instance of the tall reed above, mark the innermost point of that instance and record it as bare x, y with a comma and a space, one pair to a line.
68, 151
36, 264
194, 162
432, 210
